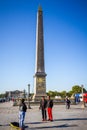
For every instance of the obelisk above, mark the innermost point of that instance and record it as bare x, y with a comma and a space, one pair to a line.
40, 75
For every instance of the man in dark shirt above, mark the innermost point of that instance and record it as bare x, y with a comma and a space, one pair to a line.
43, 105
67, 103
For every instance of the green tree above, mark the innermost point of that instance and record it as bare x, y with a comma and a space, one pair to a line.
63, 94
70, 93
53, 93
77, 89
50, 93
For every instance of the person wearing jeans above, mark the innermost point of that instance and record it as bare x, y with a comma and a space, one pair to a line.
22, 111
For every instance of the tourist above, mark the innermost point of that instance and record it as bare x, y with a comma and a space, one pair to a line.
67, 103
43, 105
49, 108
22, 111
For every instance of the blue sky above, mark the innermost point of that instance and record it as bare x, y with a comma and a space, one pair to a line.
65, 42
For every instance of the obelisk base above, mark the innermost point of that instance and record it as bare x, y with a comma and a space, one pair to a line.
39, 86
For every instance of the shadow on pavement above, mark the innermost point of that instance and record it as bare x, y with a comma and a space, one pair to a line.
70, 119
5, 125
67, 119
34, 123
46, 127
55, 126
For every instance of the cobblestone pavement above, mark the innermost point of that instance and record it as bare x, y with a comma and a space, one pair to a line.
74, 118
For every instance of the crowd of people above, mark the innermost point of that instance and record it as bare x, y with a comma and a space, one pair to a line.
46, 106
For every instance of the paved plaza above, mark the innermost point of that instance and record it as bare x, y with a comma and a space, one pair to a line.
74, 118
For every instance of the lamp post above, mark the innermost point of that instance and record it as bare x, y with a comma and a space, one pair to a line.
82, 97
28, 96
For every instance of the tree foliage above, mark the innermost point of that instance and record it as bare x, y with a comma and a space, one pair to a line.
63, 94
77, 89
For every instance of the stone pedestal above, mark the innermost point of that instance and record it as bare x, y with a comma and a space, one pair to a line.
40, 87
